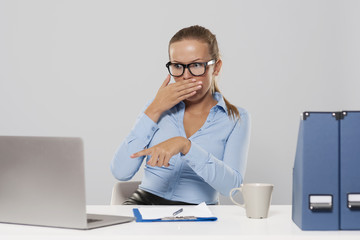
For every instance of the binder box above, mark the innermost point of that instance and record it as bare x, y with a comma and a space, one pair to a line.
326, 174
316, 173
350, 171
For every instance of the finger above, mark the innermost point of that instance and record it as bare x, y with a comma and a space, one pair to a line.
141, 153
185, 86
183, 97
186, 83
153, 160
166, 161
189, 90
187, 93
166, 81
160, 161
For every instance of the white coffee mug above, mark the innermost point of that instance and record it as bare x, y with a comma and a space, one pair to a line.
257, 198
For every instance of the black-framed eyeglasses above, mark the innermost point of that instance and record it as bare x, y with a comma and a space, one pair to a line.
195, 68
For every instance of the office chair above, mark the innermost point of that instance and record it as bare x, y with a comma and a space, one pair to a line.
122, 191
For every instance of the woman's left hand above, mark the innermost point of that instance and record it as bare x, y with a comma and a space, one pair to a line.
162, 152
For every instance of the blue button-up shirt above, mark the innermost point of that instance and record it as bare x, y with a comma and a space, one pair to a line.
215, 163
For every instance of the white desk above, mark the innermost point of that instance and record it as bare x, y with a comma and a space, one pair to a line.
231, 224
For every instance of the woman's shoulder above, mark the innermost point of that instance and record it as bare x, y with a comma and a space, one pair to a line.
242, 111
245, 117
230, 108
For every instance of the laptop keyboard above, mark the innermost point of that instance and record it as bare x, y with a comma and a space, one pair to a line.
91, 220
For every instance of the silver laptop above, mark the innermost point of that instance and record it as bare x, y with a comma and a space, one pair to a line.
42, 183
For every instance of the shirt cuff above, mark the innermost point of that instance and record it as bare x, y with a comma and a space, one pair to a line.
197, 157
144, 128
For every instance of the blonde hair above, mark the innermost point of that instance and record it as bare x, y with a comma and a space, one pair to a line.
204, 35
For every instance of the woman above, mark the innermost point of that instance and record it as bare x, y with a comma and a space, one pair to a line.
195, 141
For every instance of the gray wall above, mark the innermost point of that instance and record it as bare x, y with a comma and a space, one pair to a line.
86, 68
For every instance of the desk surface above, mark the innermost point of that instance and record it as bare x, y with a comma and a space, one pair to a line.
231, 224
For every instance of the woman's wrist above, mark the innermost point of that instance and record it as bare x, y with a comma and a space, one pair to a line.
153, 113
186, 146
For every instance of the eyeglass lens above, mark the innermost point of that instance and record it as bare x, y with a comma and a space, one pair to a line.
195, 69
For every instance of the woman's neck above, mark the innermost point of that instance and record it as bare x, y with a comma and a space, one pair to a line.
202, 105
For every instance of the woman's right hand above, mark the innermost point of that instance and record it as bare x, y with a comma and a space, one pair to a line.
171, 94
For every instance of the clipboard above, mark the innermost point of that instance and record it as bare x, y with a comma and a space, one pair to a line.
199, 213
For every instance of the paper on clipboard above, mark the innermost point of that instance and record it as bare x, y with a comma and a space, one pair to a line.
199, 212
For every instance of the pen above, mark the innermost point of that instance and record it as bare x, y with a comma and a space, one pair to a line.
178, 211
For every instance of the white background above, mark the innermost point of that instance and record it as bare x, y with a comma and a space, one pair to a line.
86, 69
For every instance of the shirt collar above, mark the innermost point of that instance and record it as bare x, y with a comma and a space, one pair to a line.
221, 103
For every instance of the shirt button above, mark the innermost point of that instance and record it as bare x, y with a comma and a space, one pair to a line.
148, 137
153, 128
208, 120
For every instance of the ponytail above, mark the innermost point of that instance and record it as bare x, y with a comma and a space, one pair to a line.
233, 112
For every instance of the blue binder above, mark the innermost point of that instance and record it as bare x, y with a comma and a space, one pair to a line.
316, 172
350, 171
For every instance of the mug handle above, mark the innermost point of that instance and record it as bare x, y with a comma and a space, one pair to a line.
231, 193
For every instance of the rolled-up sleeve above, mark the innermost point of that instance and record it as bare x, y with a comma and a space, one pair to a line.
122, 166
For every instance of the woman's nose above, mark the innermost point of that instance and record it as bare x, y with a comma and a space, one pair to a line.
187, 74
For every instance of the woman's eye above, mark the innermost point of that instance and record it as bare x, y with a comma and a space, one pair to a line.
178, 66
197, 65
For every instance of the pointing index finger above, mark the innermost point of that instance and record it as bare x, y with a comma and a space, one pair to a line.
139, 154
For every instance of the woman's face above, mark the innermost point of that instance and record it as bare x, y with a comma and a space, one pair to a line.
190, 51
